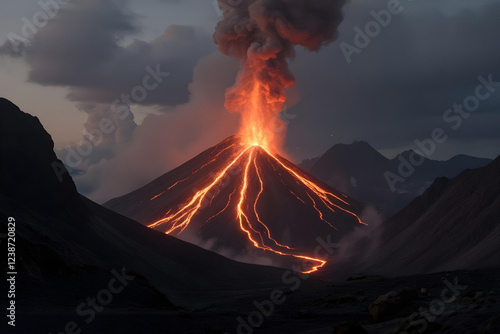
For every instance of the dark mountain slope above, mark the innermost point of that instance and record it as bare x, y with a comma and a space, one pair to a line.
455, 224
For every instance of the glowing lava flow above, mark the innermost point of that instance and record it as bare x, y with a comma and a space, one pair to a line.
246, 209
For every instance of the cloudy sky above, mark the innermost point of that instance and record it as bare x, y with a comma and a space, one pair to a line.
71, 69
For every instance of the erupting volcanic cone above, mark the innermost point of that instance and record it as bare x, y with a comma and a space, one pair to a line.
241, 195
244, 199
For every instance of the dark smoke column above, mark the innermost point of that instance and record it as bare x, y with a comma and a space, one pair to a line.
262, 34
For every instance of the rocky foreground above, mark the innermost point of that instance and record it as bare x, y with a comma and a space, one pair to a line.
451, 302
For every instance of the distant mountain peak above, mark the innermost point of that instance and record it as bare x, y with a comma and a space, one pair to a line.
355, 144
409, 153
356, 147
369, 168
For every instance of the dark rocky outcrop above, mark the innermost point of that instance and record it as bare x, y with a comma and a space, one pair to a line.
30, 172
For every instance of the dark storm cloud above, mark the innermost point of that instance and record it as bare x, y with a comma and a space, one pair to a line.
88, 48
82, 49
398, 88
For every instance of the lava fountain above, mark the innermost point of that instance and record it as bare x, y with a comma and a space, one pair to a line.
262, 35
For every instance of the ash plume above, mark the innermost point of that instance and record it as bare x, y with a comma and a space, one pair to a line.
262, 34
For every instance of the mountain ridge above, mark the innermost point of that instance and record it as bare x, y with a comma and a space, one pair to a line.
360, 171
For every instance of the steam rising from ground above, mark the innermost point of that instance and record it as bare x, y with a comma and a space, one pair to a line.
363, 241
359, 247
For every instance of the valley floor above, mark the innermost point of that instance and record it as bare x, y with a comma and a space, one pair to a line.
451, 302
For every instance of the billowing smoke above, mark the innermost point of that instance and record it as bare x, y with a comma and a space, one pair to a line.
262, 35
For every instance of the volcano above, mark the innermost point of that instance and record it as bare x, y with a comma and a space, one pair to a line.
242, 201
